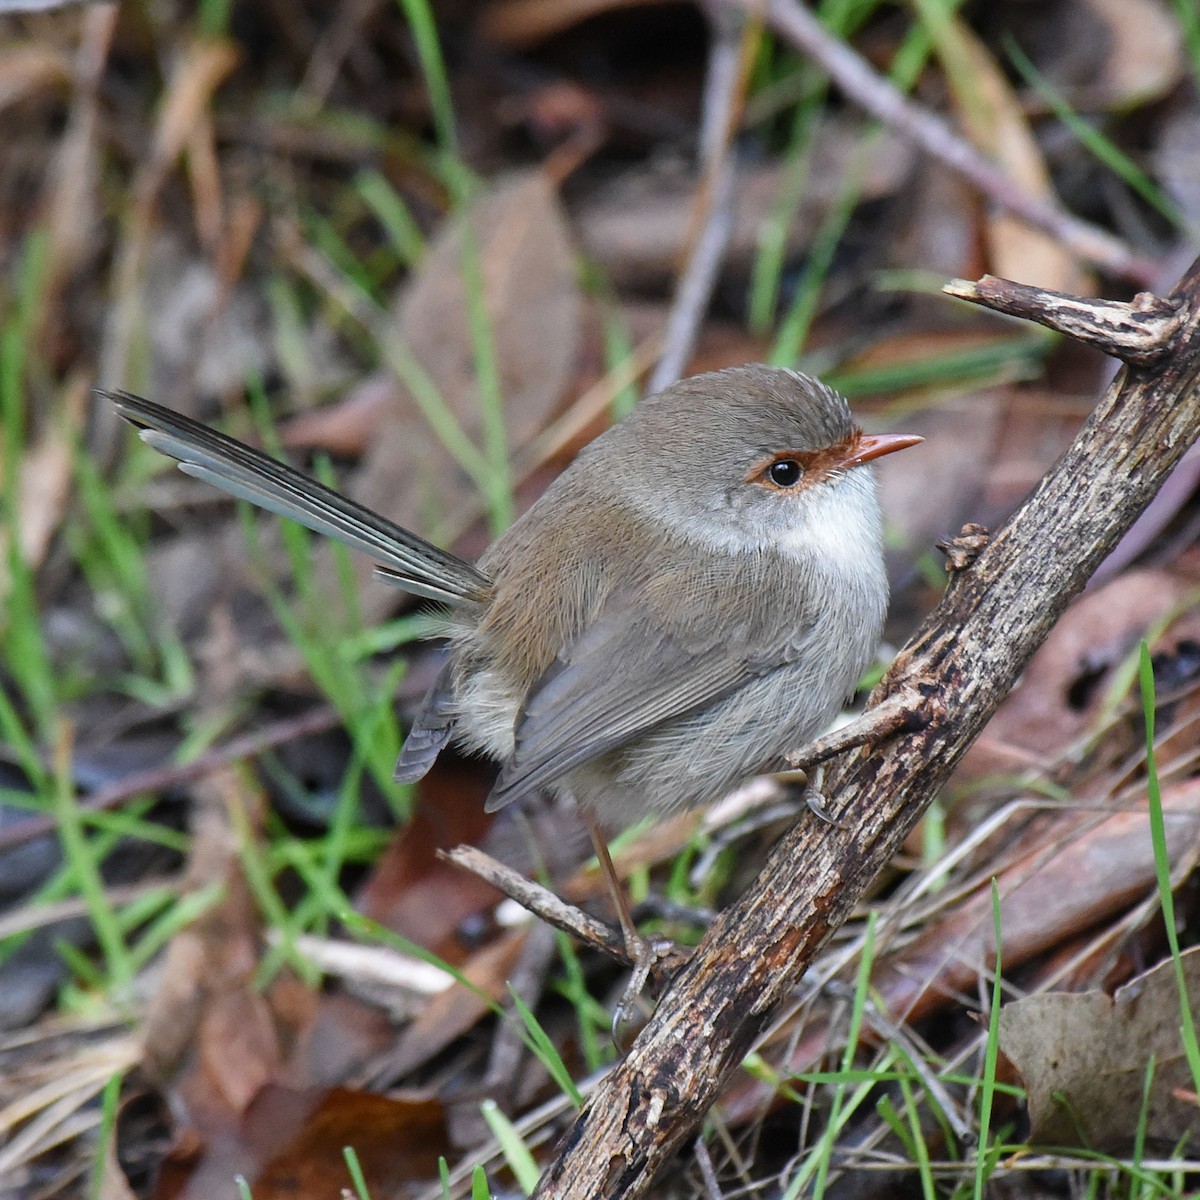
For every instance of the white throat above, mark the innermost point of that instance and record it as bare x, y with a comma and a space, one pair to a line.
837, 525
840, 524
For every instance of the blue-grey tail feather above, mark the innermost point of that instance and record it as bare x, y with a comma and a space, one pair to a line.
420, 751
431, 730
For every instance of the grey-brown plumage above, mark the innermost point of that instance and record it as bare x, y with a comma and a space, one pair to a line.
694, 596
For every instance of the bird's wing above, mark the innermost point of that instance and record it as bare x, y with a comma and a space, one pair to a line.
623, 676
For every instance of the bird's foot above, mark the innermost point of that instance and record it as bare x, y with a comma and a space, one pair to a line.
646, 955
814, 796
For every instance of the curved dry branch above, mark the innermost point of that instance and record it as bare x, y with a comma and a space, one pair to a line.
963, 662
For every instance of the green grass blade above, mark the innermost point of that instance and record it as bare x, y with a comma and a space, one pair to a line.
433, 66
84, 857
518, 1156
983, 1158
357, 1178
537, 1039
1101, 147
1162, 866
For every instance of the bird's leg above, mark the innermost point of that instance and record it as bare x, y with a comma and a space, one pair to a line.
644, 955
813, 796
634, 942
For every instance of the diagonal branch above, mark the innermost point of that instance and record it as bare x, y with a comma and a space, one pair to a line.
798, 25
964, 660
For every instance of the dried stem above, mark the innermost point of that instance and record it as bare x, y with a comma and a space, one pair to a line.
1137, 332
544, 903
724, 88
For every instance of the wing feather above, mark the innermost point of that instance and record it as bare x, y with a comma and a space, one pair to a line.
628, 673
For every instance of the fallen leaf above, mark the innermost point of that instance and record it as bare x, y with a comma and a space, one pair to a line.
74, 209
1079, 870
632, 227
414, 892
212, 1037
45, 478
1083, 1059
349, 426
1066, 681
31, 68
1144, 58
291, 1144
196, 75
453, 1012
523, 23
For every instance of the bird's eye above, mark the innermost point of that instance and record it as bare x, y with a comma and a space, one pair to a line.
785, 473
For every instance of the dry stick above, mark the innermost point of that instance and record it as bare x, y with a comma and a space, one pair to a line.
964, 660
854, 76
541, 901
1134, 333
724, 89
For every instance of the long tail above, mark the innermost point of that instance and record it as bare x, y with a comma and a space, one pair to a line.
404, 559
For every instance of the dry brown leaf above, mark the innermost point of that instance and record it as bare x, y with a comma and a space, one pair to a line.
636, 227
74, 207
521, 23
1040, 422
212, 1036
198, 72
397, 1140
535, 310
414, 892
1082, 870
291, 1144
44, 482
934, 500
1145, 58
1060, 692
31, 68
1083, 1059
453, 1012
349, 426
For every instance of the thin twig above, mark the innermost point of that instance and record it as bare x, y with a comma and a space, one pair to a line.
724, 88
1137, 332
159, 779
540, 901
904, 709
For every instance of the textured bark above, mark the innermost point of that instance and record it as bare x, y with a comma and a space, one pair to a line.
963, 661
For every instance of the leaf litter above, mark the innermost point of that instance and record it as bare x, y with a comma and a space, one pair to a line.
208, 242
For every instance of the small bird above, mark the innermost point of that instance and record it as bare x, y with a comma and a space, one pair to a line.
695, 596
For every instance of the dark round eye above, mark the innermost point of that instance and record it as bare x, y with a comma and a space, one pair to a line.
785, 473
